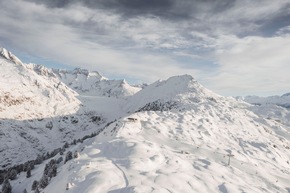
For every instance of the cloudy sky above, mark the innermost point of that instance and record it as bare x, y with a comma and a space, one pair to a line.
233, 47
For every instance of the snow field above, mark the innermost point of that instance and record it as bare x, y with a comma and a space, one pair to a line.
161, 153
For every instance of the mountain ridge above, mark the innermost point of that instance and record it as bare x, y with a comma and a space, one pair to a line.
9, 56
283, 100
174, 135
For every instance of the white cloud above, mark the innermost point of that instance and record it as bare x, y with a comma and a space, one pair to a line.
252, 65
283, 31
43, 33
147, 47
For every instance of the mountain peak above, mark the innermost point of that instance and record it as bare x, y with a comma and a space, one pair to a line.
92, 83
178, 85
87, 72
9, 56
182, 89
80, 72
185, 77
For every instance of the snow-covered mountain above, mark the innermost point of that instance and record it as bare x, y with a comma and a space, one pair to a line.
22, 88
39, 112
94, 84
183, 148
172, 136
275, 108
165, 94
89, 83
283, 100
9, 56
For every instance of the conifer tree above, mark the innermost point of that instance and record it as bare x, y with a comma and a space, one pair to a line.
60, 159
12, 174
44, 181
76, 154
34, 185
6, 187
28, 173
46, 169
37, 190
68, 156
66, 145
39, 159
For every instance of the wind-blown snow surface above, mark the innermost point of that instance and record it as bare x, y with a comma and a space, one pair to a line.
172, 136
181, 152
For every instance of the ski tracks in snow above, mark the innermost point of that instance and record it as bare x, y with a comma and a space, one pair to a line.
122, 190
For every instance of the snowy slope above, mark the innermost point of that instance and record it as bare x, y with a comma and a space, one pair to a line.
275, 108
22, 88
180, 152
183, 150
39, 113
179, 149
166, 94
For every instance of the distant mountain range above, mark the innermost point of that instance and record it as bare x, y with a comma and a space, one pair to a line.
101, 135
283, 100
